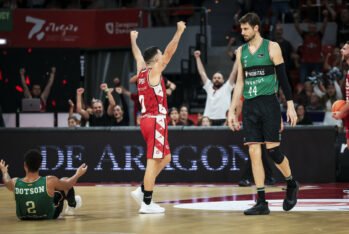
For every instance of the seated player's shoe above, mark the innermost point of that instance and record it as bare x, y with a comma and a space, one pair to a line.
137, 195
291, 197
152, 208
71, 210
245, 183
261, 208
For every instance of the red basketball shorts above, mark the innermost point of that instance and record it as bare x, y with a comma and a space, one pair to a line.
155, 134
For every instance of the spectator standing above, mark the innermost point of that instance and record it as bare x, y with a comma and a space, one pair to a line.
35, 91
217, 92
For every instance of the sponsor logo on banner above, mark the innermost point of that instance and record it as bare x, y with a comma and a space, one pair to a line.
41, 27
114, 28
70, 28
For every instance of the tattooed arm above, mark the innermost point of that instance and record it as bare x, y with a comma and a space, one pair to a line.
8, 182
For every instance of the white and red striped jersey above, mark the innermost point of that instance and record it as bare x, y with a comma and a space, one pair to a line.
153, 99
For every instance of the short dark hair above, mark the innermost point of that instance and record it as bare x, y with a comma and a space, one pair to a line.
149, 53
250, 18
33, 159
347, 42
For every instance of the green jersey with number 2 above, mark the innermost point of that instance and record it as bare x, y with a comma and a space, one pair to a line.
32, 200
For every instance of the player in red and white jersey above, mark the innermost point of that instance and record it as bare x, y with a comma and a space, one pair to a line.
152, 97
344, 113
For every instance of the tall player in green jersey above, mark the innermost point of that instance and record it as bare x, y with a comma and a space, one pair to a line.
260, 69
41, 197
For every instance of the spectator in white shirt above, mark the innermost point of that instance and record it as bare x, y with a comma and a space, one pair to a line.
218, 93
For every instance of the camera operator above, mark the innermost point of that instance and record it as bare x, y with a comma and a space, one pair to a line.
329, 91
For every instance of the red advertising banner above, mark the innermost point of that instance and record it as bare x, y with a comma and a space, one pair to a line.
72, 28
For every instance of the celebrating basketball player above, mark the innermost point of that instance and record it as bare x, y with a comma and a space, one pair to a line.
152, 97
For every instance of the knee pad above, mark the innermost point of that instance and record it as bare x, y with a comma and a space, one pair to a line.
276, 155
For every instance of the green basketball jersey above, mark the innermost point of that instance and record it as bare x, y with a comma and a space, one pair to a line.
259, 71
32, 200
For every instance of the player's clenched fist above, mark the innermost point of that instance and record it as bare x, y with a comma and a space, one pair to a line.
197, 53
80, 91
181, 25
134, 34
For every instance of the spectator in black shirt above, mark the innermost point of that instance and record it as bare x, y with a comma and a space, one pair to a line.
98, 117
121, 114
303, 118
183, 116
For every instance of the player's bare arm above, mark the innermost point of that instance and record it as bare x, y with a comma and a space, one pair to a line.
137, 54
63, 185
6, 178
233, 122
172, 45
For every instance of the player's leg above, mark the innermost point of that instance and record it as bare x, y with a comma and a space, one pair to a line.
58, 200
255, 152
74, 201
261, 207
151, 172
272, 137
155, 134
269, 179
253, 137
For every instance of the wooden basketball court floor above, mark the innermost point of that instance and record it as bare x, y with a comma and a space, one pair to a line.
323, 208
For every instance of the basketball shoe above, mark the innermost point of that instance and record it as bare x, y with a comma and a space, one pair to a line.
137, 195
71, 210
152, 208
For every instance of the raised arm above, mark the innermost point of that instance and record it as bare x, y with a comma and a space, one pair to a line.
79, 108
64, 185
26, 90
172, 45
8, 182
230, 51
170, 87
200, 66
124, 104
233, 122
280, 69
111, 101
233, 74
49, 84
137, 54
71, 107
